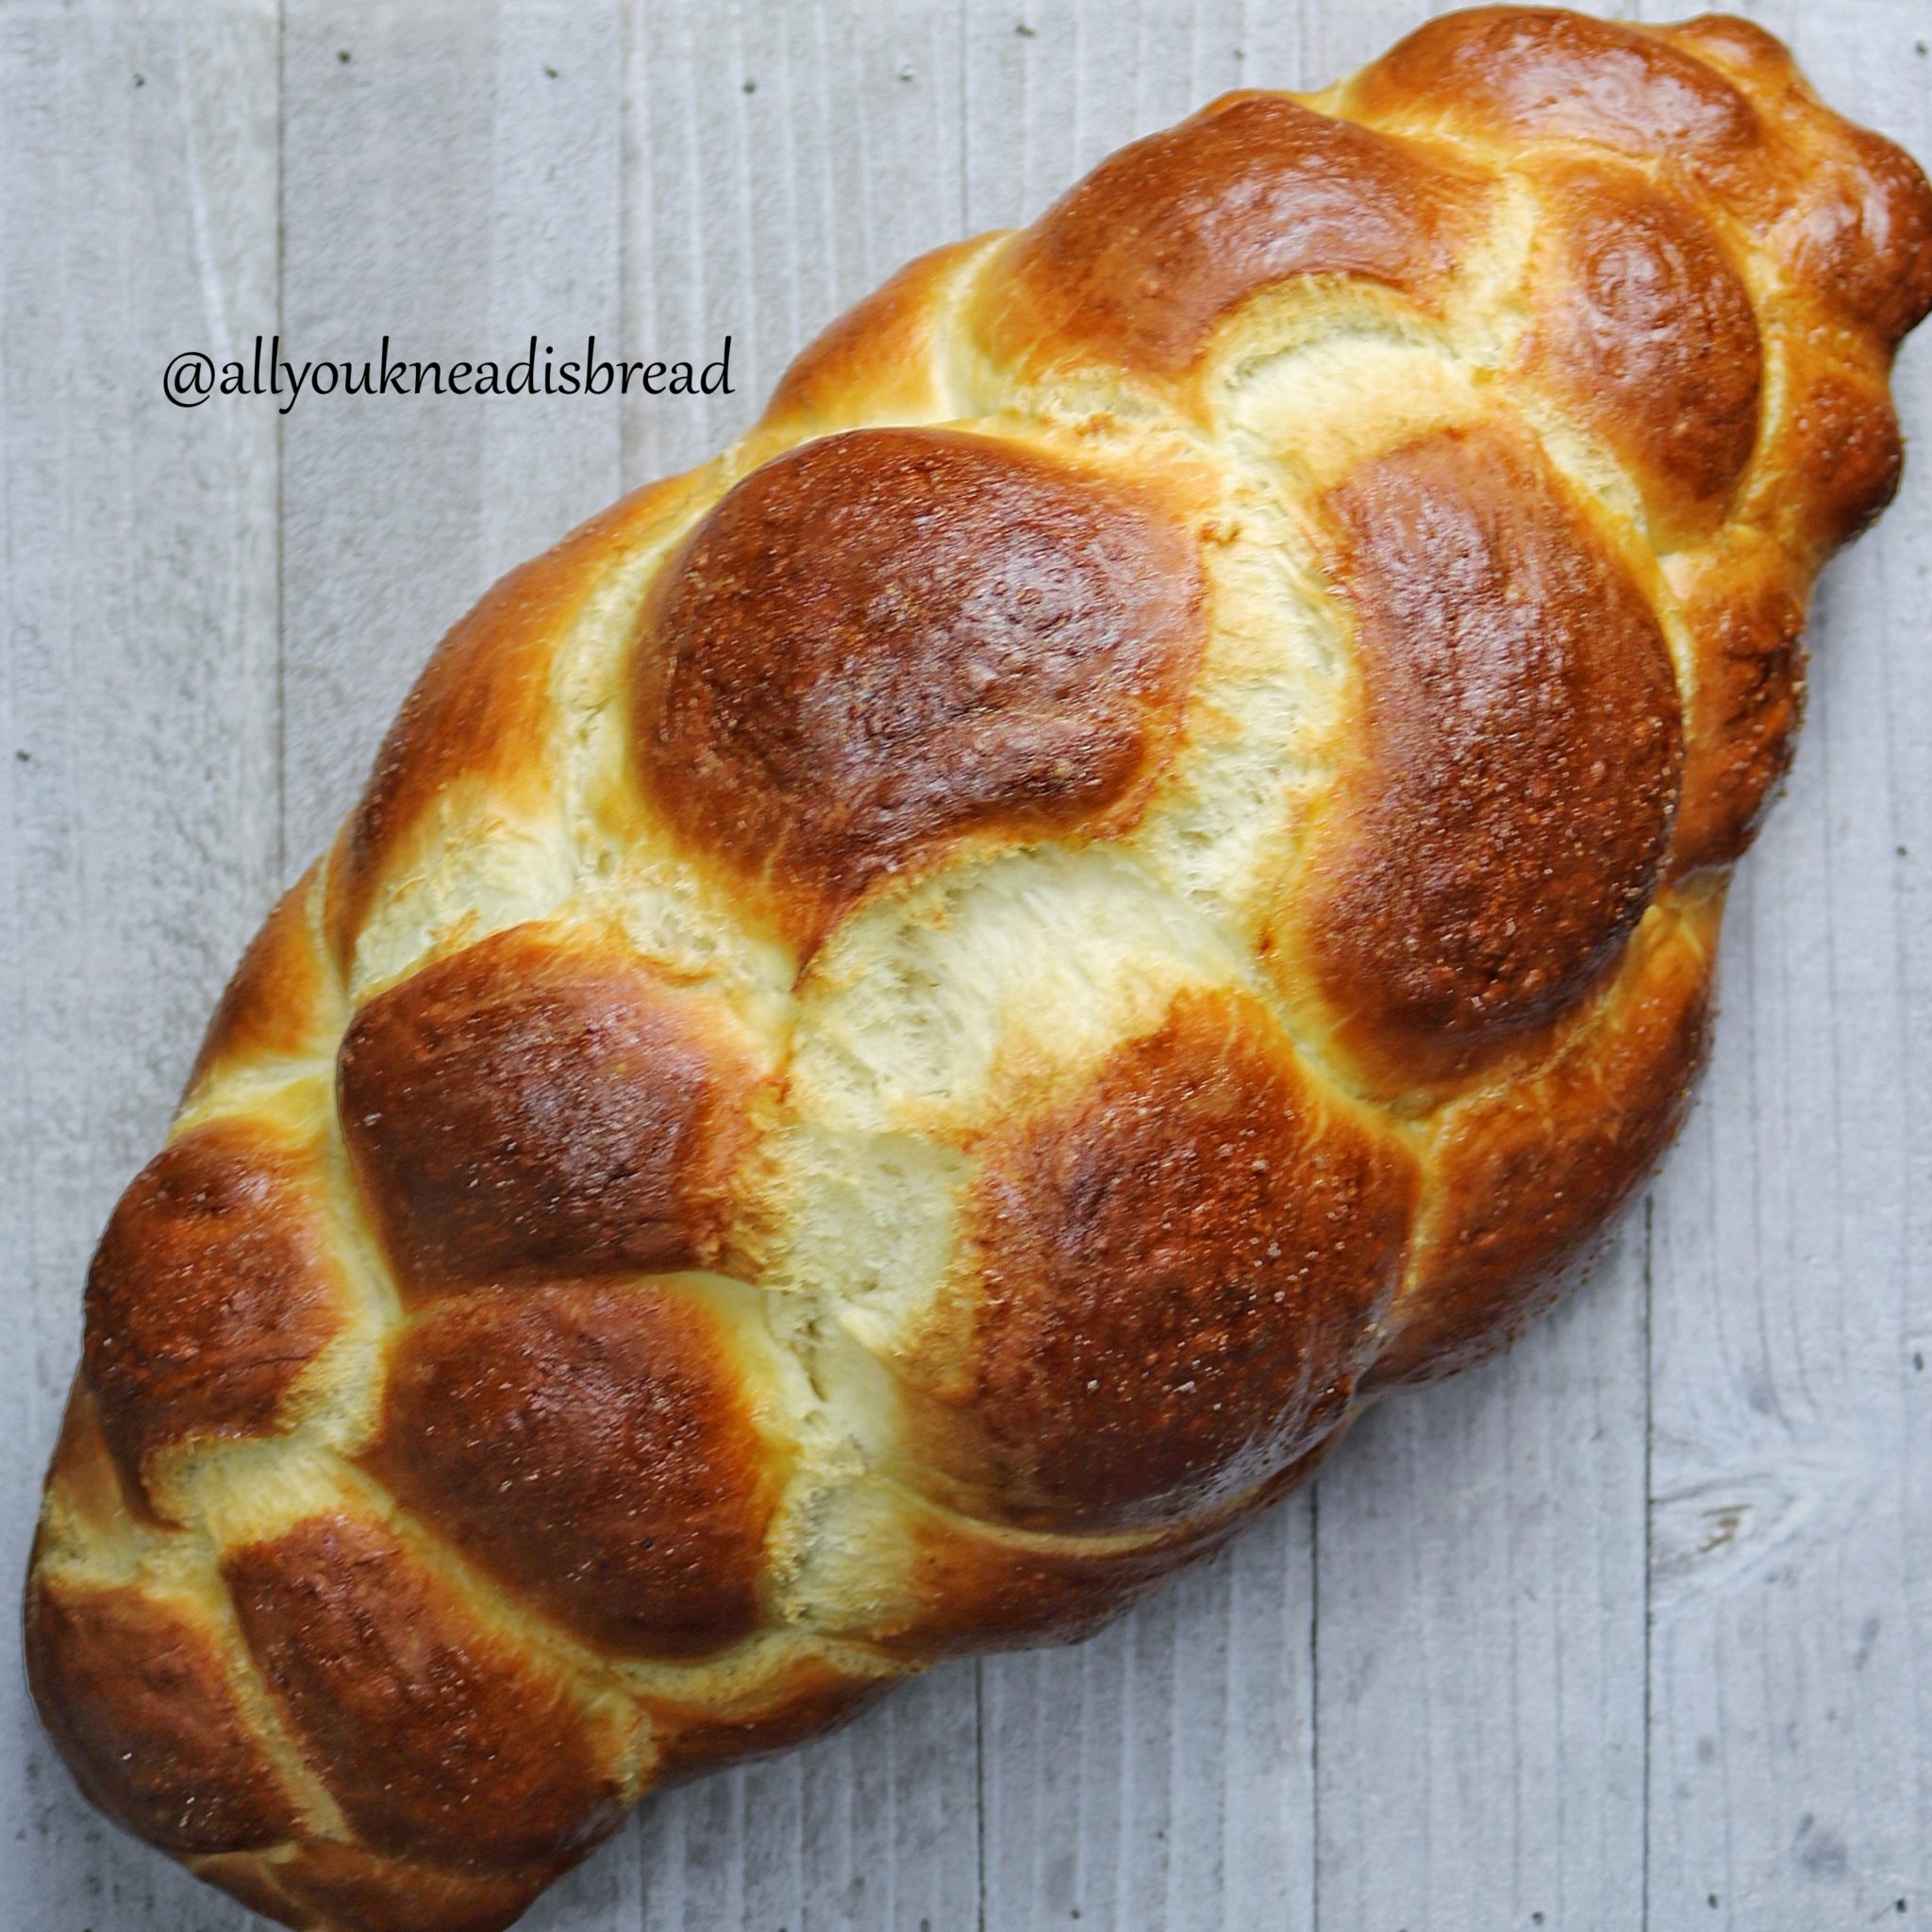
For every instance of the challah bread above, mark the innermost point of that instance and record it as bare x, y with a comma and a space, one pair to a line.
911, 1021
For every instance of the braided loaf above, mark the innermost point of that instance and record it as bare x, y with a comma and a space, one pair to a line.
911, 1021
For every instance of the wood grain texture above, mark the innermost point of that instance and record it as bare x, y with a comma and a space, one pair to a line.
138, 723
451, 180
1635, 1620
1790, 1518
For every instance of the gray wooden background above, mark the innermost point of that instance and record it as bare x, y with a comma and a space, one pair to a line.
1633, 1628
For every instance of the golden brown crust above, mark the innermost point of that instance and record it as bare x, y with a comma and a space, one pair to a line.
592, 1447
284, 1001
891, 638
923, 1015
886, 348
1148, 254
1523, 72
809, 1700
1527, 1176
1746, 619
1840, 456
973, 1589
213, 1287
974, 1586
249, 1877
1856, 227
83, 1465
539, 1105
139, 1699
482, 700
438, 1736
326, 1883
1514, 765
1646, 335
482, 709
1844, 212
1867, 245
1178, 1273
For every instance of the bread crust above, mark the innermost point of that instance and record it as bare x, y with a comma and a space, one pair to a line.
912, 1022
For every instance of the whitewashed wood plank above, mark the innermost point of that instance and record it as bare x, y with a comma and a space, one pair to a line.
1159, 1774
137, 723
782, 160
1791, 1745
452, 180
1479, 1638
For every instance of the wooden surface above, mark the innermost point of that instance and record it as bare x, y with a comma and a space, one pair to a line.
1632, 1628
